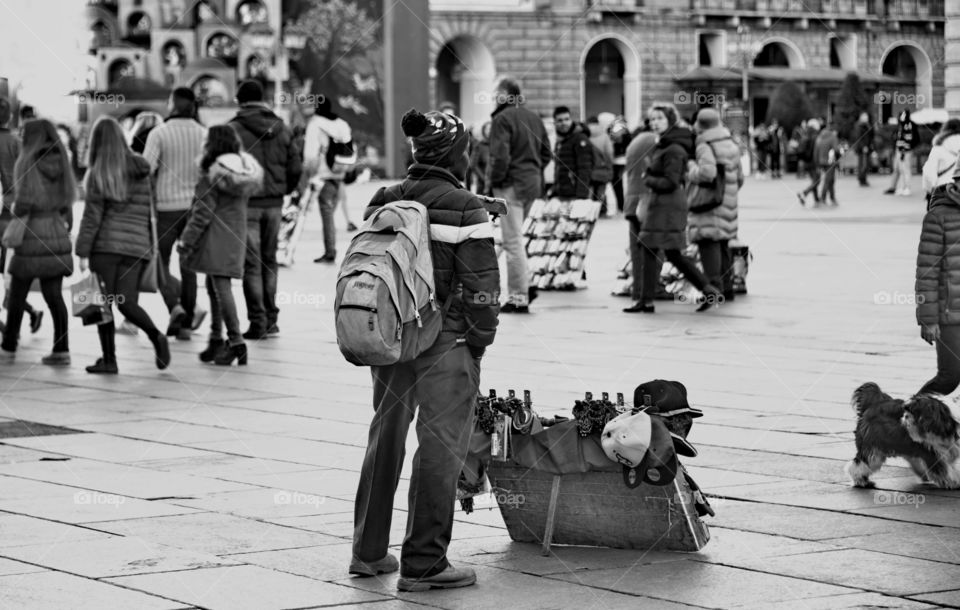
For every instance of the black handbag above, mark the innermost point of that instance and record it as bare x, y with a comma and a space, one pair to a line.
711, 192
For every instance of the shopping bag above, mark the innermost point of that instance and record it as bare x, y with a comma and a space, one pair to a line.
13, 234
89, 302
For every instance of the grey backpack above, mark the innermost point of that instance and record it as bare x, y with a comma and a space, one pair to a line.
385, 308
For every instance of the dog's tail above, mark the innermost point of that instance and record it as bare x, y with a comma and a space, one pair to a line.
866, 395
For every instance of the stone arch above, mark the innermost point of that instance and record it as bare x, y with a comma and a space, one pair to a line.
118, 69
631, 75
892, 63
466, 71
784, 47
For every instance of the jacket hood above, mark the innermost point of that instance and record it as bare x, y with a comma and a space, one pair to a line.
713, 134
236, 174
678, 134
952, 143
260, 121
137, 167
946, 195
337, 128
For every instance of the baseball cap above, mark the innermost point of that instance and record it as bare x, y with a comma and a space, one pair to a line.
669, 398
643, 445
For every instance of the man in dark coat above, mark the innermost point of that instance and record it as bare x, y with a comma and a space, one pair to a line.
862, 142
519, 150
271, 142
442, 382
573, 157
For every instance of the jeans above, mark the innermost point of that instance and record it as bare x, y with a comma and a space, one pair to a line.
183, 291
651, 272
52, 289
863, 166
327, 202
121, 286
260, 267
948, 362
223, 309
511, 225
443, 382
829, 173
717, 264
814, 187
636, 259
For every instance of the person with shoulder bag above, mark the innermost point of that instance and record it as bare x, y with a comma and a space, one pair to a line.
938, 169
116, 240
39, 234
713, 225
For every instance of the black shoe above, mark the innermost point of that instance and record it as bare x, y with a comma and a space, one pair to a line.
226, 356
326, 258
514, 308
213, 348
639, 307
255, 332
889, 192
177, 315
103, 367
36, 319
709, 301
532, 293
162, 348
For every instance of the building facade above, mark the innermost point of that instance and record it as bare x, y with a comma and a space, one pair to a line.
620, 56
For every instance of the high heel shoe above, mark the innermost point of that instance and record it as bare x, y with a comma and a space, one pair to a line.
226, 355
214, 346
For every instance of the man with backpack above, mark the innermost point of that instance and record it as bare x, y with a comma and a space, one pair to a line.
442, 380
327, 141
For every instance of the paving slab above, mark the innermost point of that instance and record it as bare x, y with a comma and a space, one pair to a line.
852, 601
932, 542
270, 504
313, 453
889, 574
240, 587
943, 599
59, 590
214, 533
166, 431
115, 556
916, 508
796, 522
9, 567
22, 530
105, 447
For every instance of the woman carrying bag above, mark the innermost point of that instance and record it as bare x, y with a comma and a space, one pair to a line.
214, 240
115, 238
664, 225
39, 234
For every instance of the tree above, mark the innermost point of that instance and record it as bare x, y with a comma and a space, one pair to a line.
789, 105
851, 102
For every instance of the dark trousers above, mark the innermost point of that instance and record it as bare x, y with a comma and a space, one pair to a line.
863, 166
636, 259
948, 362
443, 382
828, 182
184, 290
598, 192
814, 187
27, 307
618, 185
223, 309
121, 286
52, 289
327, 202
651, 272
260, 267
775, 162
717, 264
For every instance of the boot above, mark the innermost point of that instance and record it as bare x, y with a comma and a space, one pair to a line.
108, 363
162, 348
226, 356
213, 348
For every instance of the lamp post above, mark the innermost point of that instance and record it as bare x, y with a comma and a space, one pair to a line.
748, 50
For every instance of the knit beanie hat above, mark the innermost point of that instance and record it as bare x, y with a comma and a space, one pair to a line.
438, 138
707, 118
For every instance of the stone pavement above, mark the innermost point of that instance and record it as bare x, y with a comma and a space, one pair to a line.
213, 487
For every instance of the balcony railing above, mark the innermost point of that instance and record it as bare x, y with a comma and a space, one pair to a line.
893, 9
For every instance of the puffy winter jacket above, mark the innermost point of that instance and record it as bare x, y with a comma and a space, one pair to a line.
938, 260
214, 240
825, 142
46, 250
715, 146
573, 162
461, 242
9, 151
635, 191
271, 143
665, 223
519, 151
938, 169
119, 227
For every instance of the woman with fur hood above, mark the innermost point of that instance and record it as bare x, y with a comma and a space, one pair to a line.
214, 240
938, 169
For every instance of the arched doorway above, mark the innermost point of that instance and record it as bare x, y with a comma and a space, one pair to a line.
610, 79
773, 54
908, 62
117, 70
465, 76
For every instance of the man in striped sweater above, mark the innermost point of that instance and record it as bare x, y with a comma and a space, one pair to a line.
172, 149
442, 382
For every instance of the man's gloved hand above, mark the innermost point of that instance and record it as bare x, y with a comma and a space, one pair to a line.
476, 352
